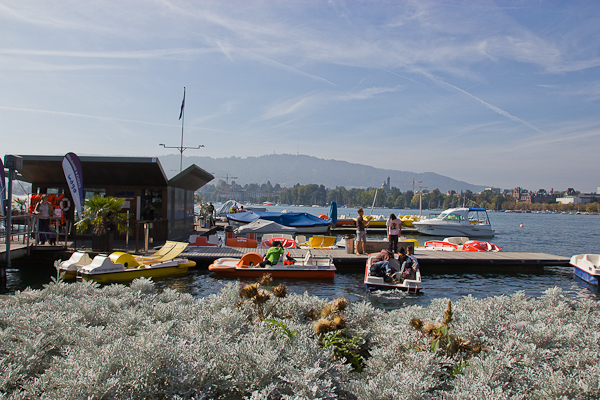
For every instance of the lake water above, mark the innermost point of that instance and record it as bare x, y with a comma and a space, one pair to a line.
559, 234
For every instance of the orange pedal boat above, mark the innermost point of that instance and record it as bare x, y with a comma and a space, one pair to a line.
308, 268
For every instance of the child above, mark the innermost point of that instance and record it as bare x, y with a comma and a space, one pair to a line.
52, 235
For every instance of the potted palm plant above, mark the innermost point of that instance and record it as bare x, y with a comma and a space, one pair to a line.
103, 215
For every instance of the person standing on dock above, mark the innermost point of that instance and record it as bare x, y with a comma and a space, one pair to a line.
45, 211
361, 232
393, 225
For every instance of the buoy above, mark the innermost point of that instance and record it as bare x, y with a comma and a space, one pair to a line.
521, 225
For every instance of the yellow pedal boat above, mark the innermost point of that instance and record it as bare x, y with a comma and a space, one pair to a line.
123, 267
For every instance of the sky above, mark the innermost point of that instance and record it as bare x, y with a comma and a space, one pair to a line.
494, 93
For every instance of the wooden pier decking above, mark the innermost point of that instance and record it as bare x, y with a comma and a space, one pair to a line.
431, 261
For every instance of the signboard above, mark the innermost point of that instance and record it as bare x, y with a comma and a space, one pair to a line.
73, 174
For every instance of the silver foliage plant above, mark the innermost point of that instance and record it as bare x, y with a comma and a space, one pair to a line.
73, 341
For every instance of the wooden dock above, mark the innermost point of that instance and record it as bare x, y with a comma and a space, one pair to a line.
431, 262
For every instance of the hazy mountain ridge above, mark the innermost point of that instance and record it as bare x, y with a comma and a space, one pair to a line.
288, 169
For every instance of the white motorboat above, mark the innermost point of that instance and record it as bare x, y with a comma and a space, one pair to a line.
587, 267
471, 222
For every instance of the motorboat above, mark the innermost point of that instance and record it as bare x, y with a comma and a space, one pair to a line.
310, 267
471, 222
377, 283
122, 267
587, 267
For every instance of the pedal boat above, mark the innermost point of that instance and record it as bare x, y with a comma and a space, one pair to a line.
123, 267
378, 283
587, 267
308, 268
67, 270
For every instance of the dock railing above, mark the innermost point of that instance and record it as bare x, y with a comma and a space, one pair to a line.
25, 229
19, 230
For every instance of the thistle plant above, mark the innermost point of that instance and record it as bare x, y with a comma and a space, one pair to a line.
260, 292
449, 345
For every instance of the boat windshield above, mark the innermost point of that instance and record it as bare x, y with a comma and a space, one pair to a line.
450, 216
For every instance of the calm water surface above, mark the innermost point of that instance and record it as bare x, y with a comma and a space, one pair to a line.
559, 234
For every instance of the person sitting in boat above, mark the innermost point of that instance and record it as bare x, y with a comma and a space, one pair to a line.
410, 265
380, 265
272, 255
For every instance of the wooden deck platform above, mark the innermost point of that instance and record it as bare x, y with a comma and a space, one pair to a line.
431, 262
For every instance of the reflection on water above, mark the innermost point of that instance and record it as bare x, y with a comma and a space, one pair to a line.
350, 285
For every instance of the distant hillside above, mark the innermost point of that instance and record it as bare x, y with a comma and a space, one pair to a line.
287, 170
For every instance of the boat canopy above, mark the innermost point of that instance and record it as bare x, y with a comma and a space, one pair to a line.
264, 226
286, 219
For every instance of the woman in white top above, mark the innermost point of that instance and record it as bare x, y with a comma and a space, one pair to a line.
393, 231
44, 210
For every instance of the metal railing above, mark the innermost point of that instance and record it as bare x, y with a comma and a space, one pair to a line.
26, 226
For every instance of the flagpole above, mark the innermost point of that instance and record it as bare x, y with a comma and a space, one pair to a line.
181, 148
182, 119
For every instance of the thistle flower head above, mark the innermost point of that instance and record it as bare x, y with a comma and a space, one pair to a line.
338, 323
249, 291
322, 326
416, 323
431, 328
339, 305
280, 291
312, 315
261, 297
326, 311
265, 280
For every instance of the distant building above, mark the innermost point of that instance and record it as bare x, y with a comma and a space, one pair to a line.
578, 199
494, 190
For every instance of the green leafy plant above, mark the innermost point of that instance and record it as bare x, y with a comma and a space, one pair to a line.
345, 346
447, 344
281, 328
102, 212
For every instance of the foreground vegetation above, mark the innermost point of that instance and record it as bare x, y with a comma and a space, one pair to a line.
257, 342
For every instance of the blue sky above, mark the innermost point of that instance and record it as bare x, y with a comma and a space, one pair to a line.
502, 94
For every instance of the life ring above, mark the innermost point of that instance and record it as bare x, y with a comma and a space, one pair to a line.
322, 216
65, 204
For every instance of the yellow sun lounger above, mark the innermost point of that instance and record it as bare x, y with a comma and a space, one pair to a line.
173, 249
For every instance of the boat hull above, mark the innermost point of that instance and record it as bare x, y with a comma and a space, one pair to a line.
130, 274
587, 267
456, 230
299, 270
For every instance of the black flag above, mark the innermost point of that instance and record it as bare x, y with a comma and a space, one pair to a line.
182, 104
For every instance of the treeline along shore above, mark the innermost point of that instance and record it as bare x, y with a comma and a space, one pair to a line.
313, 194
